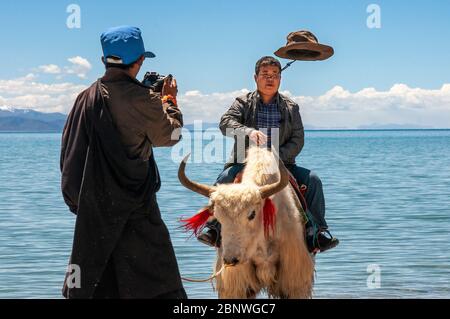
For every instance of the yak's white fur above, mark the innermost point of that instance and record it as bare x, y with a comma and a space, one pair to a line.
281, 264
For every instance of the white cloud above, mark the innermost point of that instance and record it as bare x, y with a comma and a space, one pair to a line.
206, 107
338, 108
25, 92
400, 105
80, 66
50, 69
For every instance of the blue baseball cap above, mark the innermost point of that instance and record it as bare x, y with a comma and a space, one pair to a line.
123, 45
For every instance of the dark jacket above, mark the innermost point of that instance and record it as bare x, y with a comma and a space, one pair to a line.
110, 180
240, 120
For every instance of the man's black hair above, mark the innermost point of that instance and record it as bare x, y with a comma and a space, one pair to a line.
120, 66
267, 60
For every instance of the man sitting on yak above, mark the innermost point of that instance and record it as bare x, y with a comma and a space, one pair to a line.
266, 110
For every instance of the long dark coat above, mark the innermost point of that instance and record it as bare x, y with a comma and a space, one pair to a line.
114, 197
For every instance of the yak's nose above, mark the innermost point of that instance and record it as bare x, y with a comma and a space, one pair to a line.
230, 261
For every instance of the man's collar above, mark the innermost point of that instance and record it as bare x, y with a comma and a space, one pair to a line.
275, 99
117, 74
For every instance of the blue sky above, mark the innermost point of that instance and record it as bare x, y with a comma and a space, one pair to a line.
211, 46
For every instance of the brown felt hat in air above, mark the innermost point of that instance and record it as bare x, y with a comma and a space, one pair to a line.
303, 45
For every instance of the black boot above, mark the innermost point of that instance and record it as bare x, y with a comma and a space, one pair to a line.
322, 241
211, 236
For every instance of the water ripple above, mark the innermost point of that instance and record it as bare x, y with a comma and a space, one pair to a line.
388, 201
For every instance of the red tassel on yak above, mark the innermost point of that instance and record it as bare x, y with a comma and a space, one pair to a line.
269, 215
196, 222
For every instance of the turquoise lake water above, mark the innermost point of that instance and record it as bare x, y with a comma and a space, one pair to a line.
387, 196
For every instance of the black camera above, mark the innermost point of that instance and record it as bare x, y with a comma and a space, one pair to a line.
155, 80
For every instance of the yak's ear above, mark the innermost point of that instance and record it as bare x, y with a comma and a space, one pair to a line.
196, 222
269, 215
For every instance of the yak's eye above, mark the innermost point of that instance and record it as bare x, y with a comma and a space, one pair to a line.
251, 215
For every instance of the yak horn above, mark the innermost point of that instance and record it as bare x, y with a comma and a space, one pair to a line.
269, 190
201, 189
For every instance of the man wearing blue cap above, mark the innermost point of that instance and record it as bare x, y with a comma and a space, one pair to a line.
110, 178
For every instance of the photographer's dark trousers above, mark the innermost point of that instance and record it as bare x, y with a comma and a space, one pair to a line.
314, 195
142, 261
108, 288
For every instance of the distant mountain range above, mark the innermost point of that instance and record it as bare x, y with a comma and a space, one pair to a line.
26, 120
394, 127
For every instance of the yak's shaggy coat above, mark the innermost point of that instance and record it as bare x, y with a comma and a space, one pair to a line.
280, 263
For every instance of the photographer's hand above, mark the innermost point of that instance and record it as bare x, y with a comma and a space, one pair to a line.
170, 87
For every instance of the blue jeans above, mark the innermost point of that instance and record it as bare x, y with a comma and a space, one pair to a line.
314, 196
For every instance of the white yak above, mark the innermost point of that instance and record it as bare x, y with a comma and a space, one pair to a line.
265, 246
